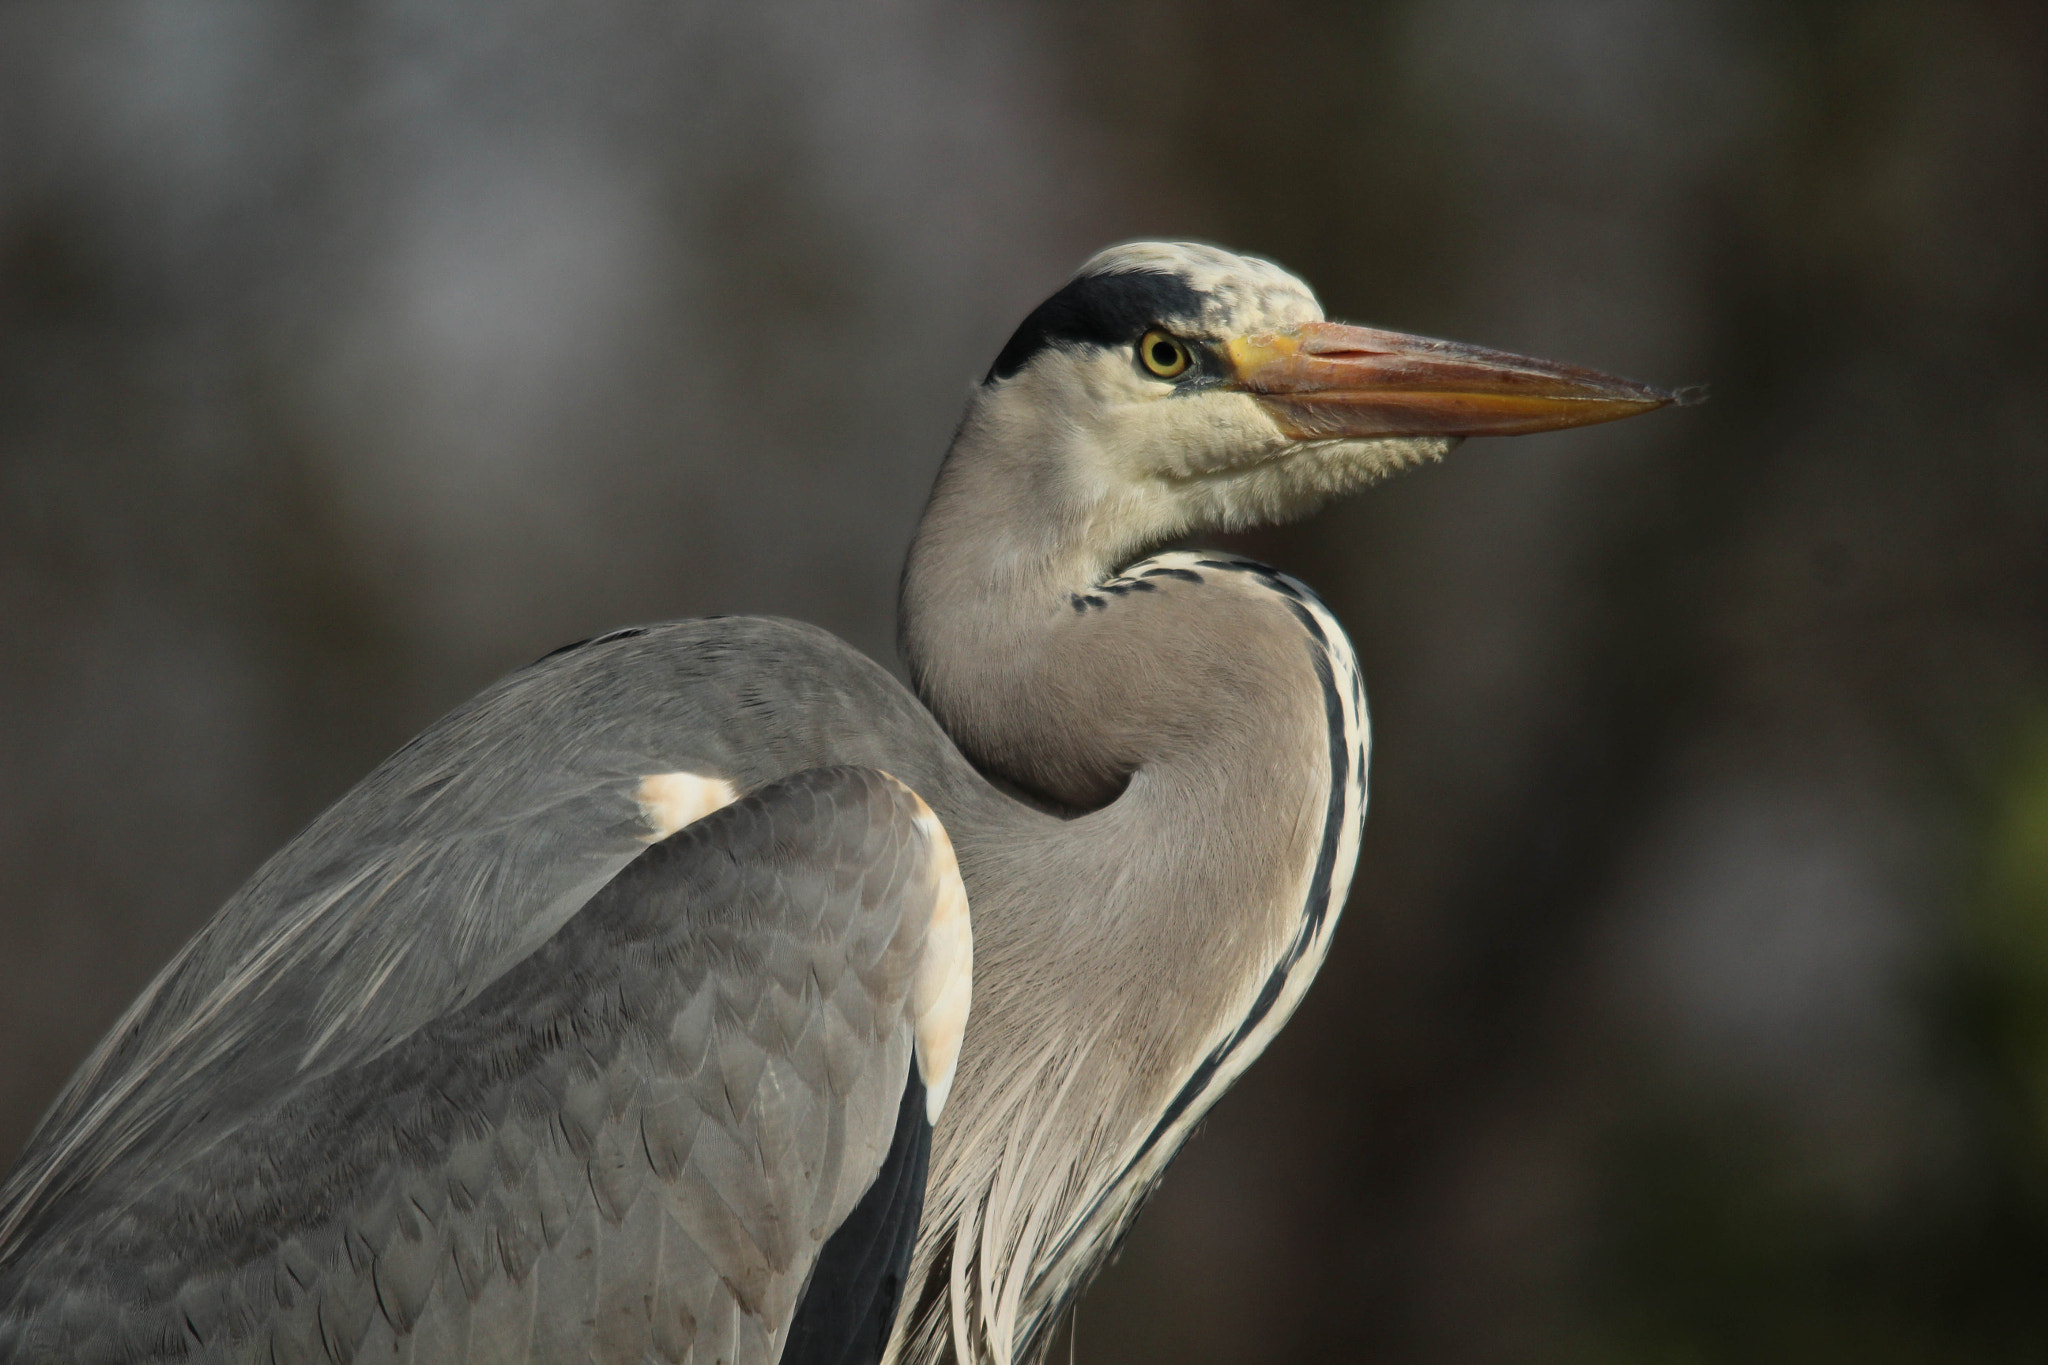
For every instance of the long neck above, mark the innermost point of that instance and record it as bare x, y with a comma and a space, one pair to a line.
1206, 718
1054, 672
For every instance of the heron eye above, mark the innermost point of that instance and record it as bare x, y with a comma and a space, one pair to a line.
1164, 355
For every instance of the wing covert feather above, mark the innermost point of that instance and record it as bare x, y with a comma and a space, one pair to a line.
631, 1146
453, 860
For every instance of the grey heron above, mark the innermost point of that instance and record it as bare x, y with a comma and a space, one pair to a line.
624, 1013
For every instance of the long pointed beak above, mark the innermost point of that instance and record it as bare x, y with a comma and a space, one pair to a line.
1330, 379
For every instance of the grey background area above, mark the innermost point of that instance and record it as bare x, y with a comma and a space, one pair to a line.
1693, 1000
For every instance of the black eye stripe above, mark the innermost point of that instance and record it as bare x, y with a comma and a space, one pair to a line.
1103, 310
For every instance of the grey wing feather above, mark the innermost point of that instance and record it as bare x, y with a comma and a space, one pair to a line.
452, 861
629, 1147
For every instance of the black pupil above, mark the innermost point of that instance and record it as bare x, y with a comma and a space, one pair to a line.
1162, 354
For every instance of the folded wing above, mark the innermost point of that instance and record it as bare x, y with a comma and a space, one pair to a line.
634, 1144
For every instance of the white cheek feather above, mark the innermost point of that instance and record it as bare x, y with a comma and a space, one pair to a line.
1308, 476
668, 801
1141, 458
1139, 462
1209, 433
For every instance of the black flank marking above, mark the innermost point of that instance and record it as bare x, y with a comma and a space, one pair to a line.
1096, 602
849, 1304
1188, 574
1140, 585
1079, 605
936, 1294
1116, 589
1099, 310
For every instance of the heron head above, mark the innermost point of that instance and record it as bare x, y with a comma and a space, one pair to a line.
1176, 387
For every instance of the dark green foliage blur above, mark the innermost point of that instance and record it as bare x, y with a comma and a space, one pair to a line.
1723, 1242
1691, 1005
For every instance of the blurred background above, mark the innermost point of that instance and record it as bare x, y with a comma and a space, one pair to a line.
1692, 1005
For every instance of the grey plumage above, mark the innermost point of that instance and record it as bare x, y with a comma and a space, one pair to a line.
638, 1136
1152, 770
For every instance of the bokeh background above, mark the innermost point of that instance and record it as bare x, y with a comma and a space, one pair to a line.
1693, 1002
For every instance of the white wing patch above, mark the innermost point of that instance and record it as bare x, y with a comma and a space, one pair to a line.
944, 985
668, 801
